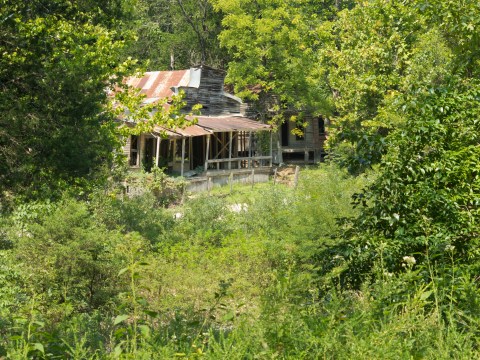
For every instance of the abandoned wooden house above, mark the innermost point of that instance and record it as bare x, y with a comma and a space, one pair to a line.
223, 143
305, 146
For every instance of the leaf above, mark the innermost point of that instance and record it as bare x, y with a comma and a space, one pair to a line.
39, 347
228, 316
118, 350
123, 271
144, 330
426, 295
119, 333
151, 313
119, 319
142, 301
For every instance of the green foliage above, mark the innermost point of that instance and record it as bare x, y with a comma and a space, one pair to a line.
221, 284
348, 325
142, 117
140, 214
67, 259
273, 45
268, 272
167, 190
365, 59
379, 56
177, 34
59, 127
57, 60
426, 196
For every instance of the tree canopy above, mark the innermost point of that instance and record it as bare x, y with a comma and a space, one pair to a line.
274, 49
58, 58
380, 56
177, 34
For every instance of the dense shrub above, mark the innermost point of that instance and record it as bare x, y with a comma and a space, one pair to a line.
140, 213
67, 258
425, 199
121, 278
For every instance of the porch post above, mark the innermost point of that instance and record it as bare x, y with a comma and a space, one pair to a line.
190, 152
241, 149
157, 155
183, 156
174, 152
250, 149
206, 153
223, 145
279, 148
230, 151
271, 148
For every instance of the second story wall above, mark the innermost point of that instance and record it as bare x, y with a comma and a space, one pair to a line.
206, 87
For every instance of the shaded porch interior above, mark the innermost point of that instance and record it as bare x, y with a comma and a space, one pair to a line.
205, 147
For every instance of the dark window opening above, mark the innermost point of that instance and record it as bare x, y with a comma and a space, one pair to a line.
300, 134
285, 133
321, 126
149, 154
294, 157
134, 146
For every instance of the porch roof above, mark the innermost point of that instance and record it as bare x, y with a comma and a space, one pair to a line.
230, 123
189, 131
207, 125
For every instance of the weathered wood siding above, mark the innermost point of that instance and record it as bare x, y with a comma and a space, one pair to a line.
309, 148
213, 103
126, 148
312, 138
208, 91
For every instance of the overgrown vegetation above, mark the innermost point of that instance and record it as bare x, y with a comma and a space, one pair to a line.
114, 278
382, 264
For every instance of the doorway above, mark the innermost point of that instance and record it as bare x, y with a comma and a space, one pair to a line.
149, 153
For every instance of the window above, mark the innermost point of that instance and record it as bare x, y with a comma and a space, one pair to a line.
300, 133
299, 137
285, 133
134, 146
321, 126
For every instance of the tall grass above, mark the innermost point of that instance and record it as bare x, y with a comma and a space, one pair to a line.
261, 283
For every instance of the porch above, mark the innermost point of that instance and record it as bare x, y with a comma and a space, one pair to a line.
214, 144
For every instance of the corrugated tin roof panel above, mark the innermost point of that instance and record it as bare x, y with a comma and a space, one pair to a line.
161, 130
189, 131
158, 84
192, 131
230, 123
206, 125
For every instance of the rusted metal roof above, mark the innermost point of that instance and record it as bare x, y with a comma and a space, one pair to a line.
163, 131
207, 125
192, 131
189, 131
156, 85
230, 123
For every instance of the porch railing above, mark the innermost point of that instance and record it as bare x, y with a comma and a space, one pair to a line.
247, 162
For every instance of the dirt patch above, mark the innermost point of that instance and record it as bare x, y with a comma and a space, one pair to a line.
286, 175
